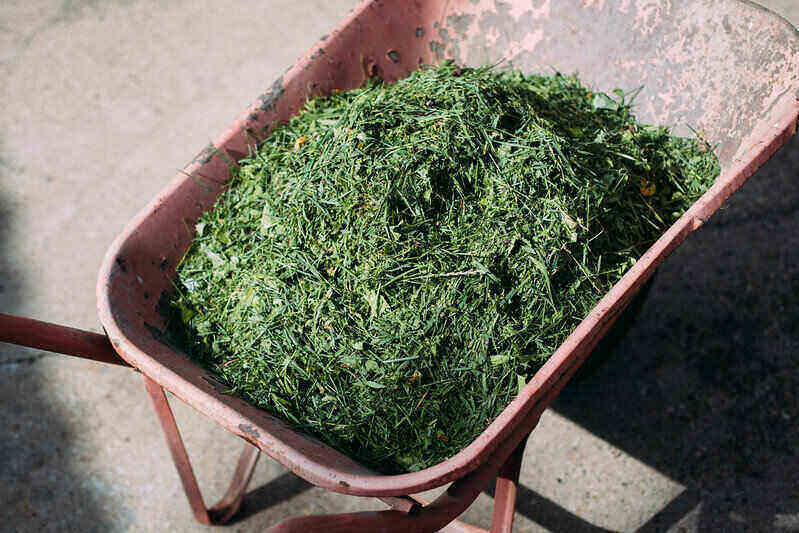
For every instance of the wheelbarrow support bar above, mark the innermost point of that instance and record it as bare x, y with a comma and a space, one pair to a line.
59, 339
231, 501
407, 514
88, 345
441, 514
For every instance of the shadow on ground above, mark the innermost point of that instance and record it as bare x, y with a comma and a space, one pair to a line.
280, 489
40, 488
705, 385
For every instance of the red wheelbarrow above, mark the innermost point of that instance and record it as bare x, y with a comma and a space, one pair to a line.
729, 70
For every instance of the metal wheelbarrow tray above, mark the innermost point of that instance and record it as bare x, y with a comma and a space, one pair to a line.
728, 69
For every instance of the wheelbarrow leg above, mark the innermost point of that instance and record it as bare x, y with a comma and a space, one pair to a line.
504, 497
231, 501
505, 491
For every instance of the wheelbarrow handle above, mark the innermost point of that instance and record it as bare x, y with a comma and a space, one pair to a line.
59, 339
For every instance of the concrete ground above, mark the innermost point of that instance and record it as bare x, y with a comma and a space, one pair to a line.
691, 426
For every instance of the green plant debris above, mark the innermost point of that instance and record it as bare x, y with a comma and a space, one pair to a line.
392, 265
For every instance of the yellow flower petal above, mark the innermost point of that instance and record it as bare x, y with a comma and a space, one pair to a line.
647, 188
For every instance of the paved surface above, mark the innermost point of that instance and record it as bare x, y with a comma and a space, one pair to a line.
691, 426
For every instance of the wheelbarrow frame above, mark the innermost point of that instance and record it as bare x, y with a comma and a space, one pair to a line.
391, 38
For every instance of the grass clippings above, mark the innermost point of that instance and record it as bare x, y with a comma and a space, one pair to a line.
392, 265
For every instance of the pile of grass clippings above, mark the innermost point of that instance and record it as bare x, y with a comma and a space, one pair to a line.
394, 263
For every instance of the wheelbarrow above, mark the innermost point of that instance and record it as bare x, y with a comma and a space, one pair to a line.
729, 70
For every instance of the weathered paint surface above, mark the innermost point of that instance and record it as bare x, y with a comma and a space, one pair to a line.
715, 67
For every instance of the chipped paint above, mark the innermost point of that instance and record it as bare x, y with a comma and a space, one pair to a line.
678, 50
205, 155
599, 4
460, 23
250, 431
542, 11
437, 48
268, 99
649, 14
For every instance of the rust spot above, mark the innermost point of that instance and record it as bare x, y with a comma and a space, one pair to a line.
420, 32
343, 483
249, 431
393, 56
121, 264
